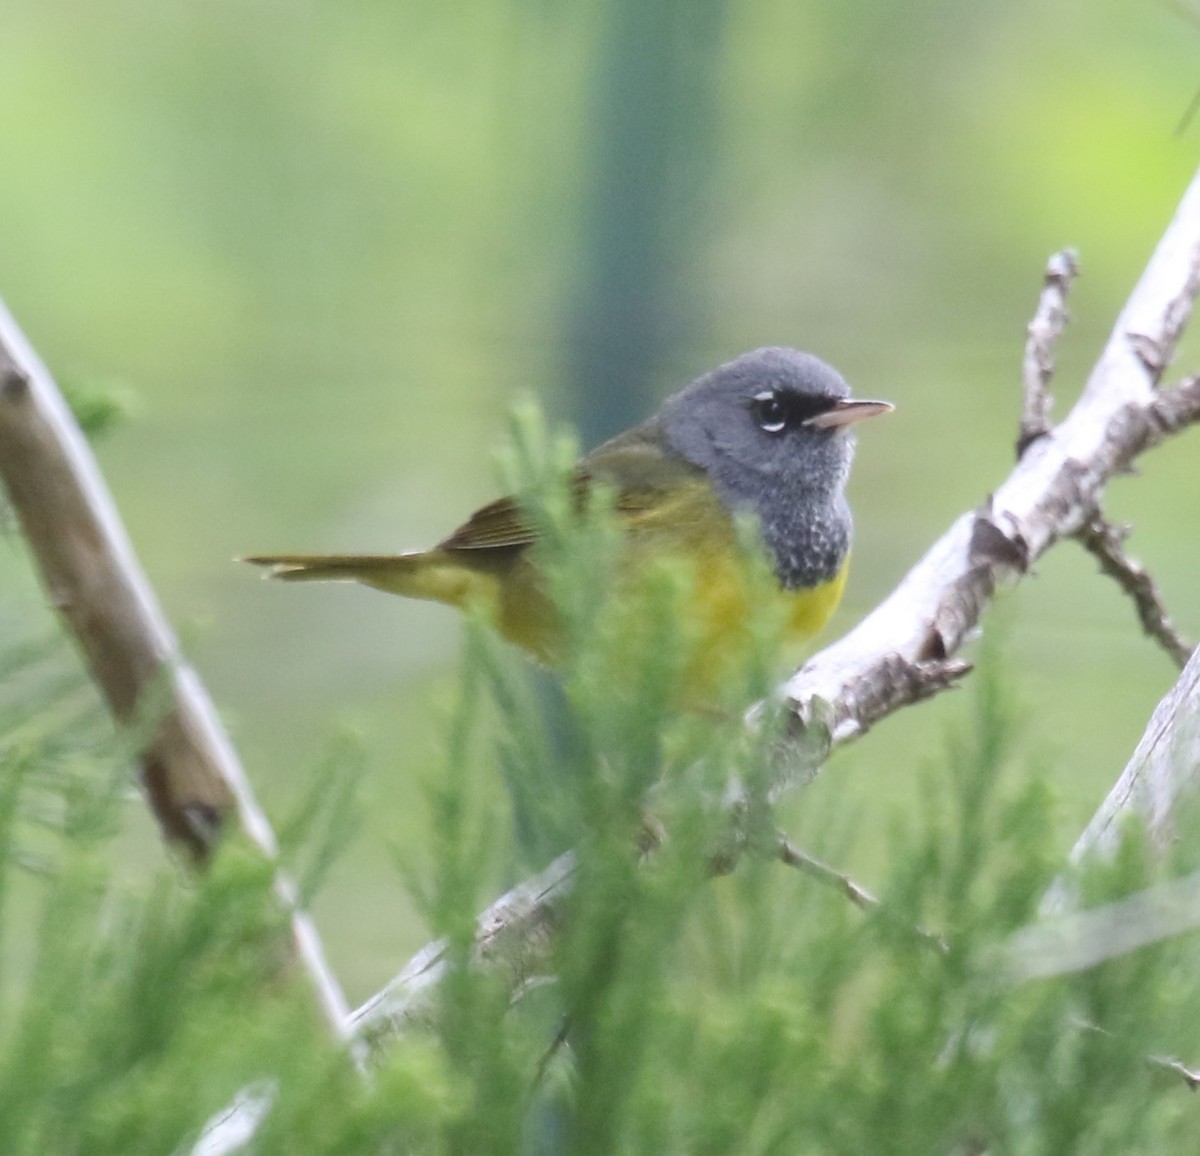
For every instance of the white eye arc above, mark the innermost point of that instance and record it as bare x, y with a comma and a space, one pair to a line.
770, 412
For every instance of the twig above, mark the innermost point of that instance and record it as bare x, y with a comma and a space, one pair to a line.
1037, 365
190, 771
1165, 1063
1071, 941
555, 1046
1106, 543
231, 1129
790, 854
1189, 1076
1189, 14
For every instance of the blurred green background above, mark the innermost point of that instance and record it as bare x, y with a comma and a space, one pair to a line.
322, 247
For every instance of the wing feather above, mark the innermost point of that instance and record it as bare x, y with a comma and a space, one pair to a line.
644, 477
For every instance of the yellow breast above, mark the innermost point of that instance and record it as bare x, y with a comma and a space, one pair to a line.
725, 606
727, 621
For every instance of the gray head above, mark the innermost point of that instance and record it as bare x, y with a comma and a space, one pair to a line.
772, 430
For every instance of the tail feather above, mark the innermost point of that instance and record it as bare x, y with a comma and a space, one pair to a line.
433, 575
332, 567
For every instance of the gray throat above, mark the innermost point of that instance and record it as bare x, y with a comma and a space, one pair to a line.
809, 545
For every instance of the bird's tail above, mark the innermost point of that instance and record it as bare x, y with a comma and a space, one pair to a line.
417, 575
331, 567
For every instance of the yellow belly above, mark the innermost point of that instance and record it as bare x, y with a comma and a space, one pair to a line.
724, 615
726, 609
722, 600
732, 629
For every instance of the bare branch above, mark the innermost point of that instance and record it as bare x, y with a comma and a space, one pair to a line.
1166, 1064
1162, 769
1160, 773
790, 854
189, 769
905, 650
1079, 940
1165, 764
1037, 366
93, 581
232, 1128
1049, 495
515, 934
1106, 543
1189, 1076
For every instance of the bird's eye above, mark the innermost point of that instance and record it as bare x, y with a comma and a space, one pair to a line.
770, 412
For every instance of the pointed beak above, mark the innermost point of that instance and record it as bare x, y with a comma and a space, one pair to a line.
848, 412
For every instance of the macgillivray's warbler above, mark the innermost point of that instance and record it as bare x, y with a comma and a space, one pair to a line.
767, 435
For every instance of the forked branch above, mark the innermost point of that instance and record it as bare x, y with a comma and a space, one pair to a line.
1106, 543
1037, 366
899, 653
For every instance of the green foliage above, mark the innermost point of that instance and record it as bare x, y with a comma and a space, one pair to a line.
762, 1013
756, 1013
98, 407
324, 248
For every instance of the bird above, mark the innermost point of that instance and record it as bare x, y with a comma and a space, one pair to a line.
767, 436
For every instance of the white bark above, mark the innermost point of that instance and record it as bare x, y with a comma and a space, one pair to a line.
904, 649
1161, 772
190, 771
